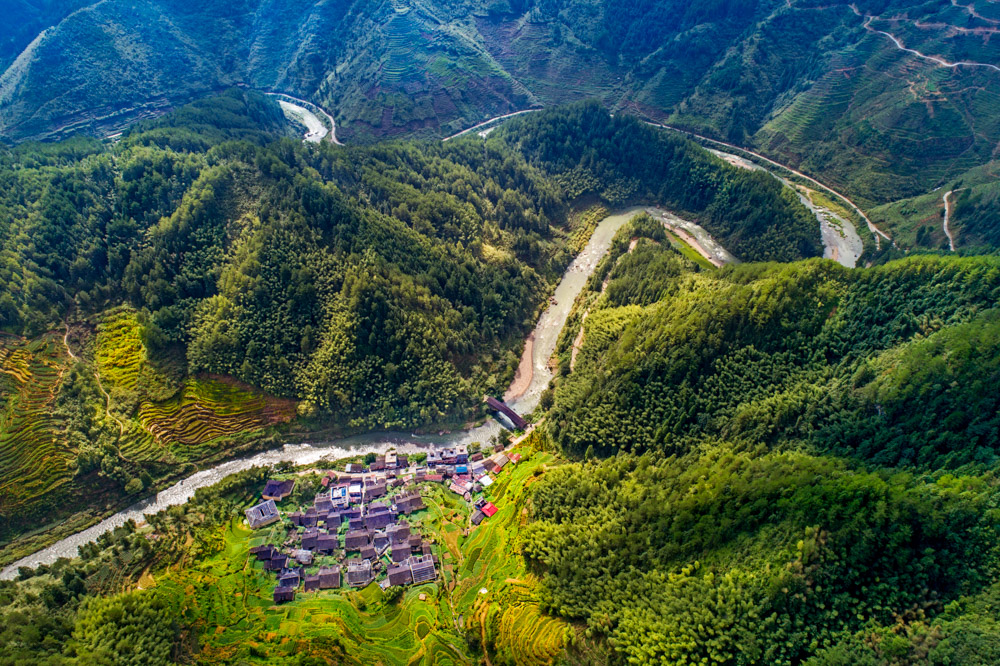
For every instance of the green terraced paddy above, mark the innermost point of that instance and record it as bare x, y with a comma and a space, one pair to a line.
34, 455
226, 593
205, 410
121, 353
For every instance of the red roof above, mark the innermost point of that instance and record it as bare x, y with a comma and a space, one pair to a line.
489, 509
433, 477
516, 457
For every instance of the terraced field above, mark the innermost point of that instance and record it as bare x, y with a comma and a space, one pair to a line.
227, 595
508, 614
34, 456
205, 410
158, 418
120, 350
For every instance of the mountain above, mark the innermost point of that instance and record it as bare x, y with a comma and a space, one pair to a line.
219, 280
782, 463
822, 86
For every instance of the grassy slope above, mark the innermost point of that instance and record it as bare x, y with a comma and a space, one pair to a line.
164, 426
226, 595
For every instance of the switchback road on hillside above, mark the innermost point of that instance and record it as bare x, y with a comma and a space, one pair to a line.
935, 59
487, 122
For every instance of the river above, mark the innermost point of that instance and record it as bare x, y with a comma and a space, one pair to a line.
546, 334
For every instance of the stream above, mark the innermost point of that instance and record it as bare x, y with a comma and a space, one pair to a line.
546, 334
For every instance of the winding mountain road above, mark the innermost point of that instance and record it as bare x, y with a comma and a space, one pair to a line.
871, 225
487, 122
923, 56
947, 219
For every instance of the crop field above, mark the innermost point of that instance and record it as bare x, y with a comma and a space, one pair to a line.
120, 352
207, 409
226, 593
34, 456
228, 596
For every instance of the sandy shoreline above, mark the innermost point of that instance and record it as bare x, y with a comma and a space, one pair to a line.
525, 372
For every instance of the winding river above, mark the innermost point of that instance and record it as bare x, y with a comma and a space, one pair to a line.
545, 335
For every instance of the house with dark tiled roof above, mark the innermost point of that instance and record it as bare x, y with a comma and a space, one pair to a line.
278, 490
381, 541
311, 583
327, 544
310, 538
398, 533
303, 556
323, 503
289, 578
400, 552
264, 553
375, 490
329, 579
378, 516
477, 517
422, 568
284, 594
400, 575
262, 515
408, 502
359, 573
357, 539
276, 563
368, 553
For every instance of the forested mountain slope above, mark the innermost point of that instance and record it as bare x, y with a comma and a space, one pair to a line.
175, 296
819, 85
887, 364
800, 461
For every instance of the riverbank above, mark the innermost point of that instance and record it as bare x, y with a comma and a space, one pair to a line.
543, 344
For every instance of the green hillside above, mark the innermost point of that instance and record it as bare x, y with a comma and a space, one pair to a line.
802, 461
820, 86
206, 286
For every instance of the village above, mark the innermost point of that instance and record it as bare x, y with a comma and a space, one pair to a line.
361, 527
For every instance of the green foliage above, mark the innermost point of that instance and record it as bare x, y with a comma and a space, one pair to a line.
623, 161
844, 361
748, 557
128, 629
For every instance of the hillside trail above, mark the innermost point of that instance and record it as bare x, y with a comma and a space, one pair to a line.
973, 13
876, 232
935, 59
947, 219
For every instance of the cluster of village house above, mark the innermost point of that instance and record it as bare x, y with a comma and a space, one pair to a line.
362, 512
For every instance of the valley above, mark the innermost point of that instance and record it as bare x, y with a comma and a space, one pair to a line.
543, 336
500, 333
